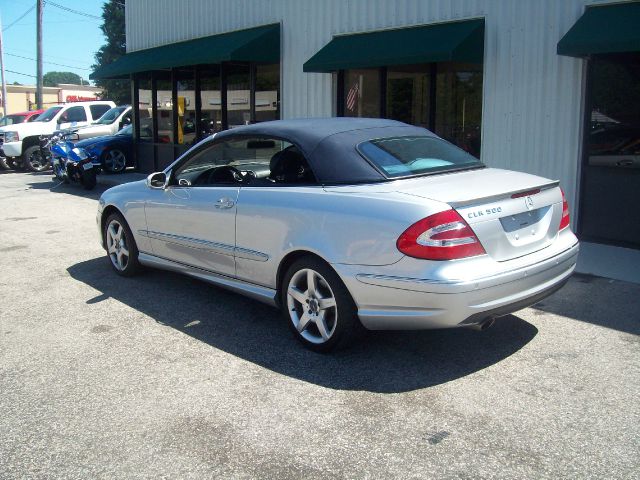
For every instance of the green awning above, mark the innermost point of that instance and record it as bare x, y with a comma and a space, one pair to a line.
443, 42
260, 44
604, 29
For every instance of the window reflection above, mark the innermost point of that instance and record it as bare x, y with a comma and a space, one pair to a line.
408, 94
186, 85
164, 110
267, 92
145, 109
362, 93
459, 105
238, 96
211, 112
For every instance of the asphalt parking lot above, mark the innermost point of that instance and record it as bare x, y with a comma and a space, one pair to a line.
161, 376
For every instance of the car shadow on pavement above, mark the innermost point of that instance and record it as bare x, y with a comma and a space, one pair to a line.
55, 185
384, 362
601, 301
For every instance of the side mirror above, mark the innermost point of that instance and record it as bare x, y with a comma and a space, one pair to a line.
158, 180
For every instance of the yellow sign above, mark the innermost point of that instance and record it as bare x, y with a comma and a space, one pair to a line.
181, 103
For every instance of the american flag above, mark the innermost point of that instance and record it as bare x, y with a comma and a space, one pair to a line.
352, 97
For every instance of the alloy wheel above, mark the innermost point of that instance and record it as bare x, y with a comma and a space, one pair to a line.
312, 306
115, 161
36, 161
117, 245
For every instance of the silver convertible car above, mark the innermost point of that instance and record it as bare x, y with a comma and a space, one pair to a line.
345, 223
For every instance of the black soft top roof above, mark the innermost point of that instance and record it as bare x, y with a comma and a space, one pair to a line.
329, 144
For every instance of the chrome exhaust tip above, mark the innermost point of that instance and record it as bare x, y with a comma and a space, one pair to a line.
482, 326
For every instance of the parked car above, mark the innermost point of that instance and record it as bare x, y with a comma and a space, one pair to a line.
108, 124
12, 119
21, 141
112, 153
345, 223
20, 117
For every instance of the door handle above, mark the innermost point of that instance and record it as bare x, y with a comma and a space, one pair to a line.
224, 203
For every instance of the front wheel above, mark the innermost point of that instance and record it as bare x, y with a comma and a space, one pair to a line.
121, 247
33, 159
318, 306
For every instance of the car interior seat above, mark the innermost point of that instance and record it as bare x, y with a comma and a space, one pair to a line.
290, 166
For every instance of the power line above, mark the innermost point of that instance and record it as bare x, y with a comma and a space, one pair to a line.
18, 19
50, 63
19, 73
71, 10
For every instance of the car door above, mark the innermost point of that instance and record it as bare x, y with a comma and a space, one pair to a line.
75, 116
192, 220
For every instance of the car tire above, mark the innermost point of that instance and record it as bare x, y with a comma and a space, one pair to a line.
119, 243
114, 160
33, 160
89, 179
15, 163
318, 307
4, 164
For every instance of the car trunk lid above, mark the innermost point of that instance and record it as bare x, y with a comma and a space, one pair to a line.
512, 213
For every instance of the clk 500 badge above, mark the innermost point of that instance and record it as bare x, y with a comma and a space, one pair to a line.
482, 213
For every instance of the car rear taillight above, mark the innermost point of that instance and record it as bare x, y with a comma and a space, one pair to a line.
564, 221
442, 236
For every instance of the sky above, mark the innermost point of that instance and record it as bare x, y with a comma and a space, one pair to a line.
68, 39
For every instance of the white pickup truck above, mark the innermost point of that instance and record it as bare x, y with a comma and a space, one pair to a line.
20, 142
108, 124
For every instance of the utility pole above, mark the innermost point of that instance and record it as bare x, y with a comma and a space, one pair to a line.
39, 55
4, 84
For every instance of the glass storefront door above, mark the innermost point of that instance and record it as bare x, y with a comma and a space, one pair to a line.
610, 193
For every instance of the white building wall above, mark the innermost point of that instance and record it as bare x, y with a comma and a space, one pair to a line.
532, 96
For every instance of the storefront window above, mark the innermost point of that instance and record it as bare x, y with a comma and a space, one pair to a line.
145, 109
362, 93
211, 112
408, 90
445, 98
611, 168
238, 96
164, 109
459, 105
267, 92
186, 86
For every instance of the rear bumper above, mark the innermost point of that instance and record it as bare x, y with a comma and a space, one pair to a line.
389, 302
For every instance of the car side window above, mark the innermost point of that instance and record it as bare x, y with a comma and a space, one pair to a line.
98, 110
247, 161
73, 114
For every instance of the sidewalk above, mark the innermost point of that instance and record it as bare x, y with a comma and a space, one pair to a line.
111, 180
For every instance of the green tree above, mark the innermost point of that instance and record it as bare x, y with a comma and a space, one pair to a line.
113, 28
52, 79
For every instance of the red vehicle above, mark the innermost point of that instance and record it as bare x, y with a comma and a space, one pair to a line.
12, 119
20, 117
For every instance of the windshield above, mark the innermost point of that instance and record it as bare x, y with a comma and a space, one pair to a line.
128, 130
11, 119
110, 116
49, 114
417, 155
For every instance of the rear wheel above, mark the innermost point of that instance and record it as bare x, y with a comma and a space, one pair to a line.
33, 159
121, 247
114, 160
89, 179
318, 306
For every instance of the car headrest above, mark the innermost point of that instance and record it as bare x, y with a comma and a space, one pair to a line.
289, 166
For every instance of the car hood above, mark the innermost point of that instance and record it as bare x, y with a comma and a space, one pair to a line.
30, 128
95, 141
